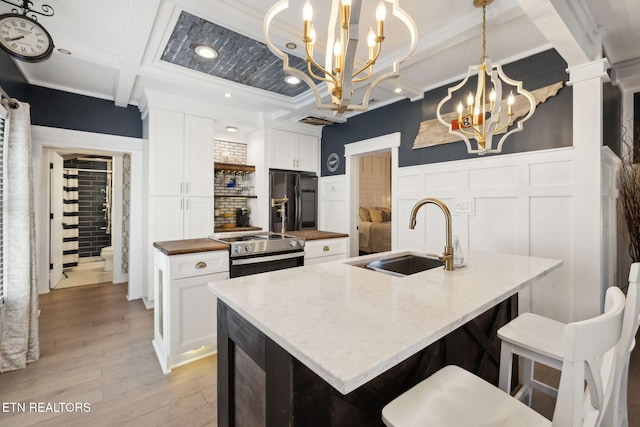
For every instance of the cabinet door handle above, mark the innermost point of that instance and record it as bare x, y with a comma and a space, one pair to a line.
181, 187
326, 248
181, 204
187, 188
187, 204
201, 264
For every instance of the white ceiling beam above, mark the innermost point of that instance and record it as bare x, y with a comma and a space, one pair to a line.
568, 26
626, 74
142, 16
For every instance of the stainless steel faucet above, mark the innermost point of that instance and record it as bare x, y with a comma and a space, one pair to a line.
447, 255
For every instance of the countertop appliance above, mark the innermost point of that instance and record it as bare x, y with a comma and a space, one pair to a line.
252, 253
301, 210
242, 217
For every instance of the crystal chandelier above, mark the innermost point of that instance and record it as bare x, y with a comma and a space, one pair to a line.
484, 115
340, 70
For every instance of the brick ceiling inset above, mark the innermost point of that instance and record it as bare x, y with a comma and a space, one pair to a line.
240, 59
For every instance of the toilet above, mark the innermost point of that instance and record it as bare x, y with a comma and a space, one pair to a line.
107, 254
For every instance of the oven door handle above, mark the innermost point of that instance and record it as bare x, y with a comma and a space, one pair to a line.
267, 258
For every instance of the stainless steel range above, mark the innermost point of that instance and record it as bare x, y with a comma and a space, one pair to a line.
261, 252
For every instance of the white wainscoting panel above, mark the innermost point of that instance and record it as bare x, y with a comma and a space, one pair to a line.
551, 174
444, 181
409, 184
551, 236
494, 227
502, 177
333, 207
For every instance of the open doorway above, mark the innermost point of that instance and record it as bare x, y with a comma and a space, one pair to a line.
384, 152
374, 207
126, 232
85, 196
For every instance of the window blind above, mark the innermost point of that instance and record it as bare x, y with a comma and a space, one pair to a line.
3, 115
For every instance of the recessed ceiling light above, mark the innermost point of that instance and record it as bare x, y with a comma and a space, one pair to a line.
291, 45
292, 80
398, 90
64, 51
231, 129
206, 52
227, 95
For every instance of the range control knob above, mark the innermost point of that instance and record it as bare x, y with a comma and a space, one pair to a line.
236, 249
248, 248
293, 243
301, 242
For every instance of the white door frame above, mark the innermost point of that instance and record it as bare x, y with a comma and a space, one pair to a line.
352, 153
45, 139
56, 237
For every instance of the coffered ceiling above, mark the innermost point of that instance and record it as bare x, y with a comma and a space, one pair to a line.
120, 48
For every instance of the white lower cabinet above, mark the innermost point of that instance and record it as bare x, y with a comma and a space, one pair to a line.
325, 250
185, 327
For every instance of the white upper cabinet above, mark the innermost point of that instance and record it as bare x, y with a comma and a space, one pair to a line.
198, 152
180, 154
293, 151
166, 153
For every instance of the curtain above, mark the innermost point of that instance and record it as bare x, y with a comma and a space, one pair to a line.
19, 336
70, 219
126, 206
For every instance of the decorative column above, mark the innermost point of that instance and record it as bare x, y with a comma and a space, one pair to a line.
588, 273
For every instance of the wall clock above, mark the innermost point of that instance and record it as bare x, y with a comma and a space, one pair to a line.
24, 39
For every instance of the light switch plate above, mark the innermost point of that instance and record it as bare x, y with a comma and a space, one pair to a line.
464, 207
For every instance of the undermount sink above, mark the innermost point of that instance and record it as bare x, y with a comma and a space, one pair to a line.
403, 265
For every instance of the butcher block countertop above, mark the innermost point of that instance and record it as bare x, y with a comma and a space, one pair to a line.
316, 234
190, 246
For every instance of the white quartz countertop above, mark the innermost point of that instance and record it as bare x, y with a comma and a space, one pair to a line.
349, 324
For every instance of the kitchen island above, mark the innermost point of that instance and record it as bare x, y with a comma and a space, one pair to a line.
331, 344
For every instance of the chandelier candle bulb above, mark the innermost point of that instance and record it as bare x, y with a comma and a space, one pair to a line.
381, 14
510, 101
307, 16
346, 14
460, 110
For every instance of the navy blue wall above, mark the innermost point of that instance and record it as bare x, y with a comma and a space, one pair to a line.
58, 109
550, 127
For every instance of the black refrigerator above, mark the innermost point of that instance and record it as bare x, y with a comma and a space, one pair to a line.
301, 211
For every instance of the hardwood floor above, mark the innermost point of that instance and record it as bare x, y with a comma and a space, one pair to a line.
95, 348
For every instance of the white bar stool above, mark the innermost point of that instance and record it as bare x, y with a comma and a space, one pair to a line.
453, 397
538, 339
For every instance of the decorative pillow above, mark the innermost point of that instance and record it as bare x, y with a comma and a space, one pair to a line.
376, 214
386, 214
364, 214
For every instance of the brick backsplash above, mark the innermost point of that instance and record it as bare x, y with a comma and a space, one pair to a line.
228, 152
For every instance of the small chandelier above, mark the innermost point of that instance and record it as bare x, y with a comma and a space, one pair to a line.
340, 72
484, 115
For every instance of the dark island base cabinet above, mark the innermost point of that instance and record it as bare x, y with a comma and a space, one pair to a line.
260, 384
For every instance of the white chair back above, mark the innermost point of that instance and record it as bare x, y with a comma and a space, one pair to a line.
615, 414
584, 344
